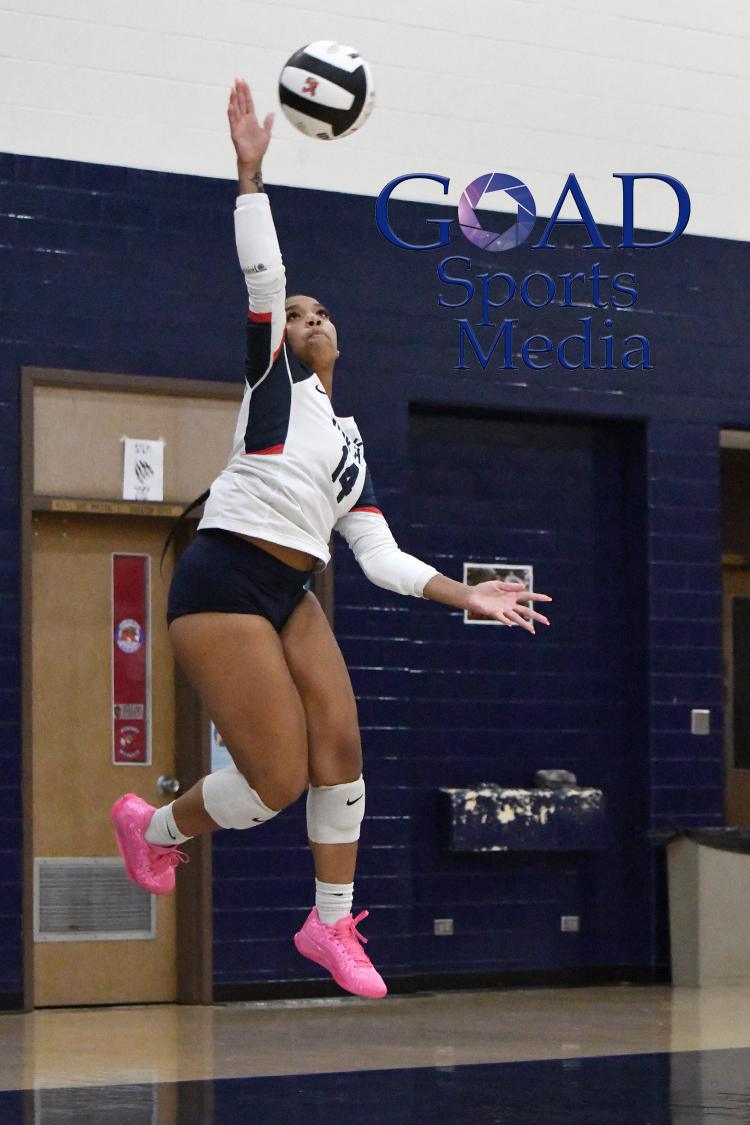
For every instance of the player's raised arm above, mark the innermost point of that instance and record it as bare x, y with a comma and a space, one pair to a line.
249, 137
257, 244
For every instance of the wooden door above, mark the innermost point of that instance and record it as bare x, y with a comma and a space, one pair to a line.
74, 779
737, 694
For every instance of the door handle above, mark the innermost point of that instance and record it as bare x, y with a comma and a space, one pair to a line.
167, 785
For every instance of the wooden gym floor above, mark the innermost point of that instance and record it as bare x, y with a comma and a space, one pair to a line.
621, 1055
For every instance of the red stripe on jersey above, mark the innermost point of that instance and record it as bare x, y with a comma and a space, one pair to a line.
271, 449
259, 318
377, 511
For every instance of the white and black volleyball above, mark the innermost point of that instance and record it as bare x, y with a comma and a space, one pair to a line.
326, 90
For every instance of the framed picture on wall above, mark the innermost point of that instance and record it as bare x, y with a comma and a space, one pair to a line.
476, 572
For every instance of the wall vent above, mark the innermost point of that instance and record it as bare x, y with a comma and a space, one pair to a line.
89, 899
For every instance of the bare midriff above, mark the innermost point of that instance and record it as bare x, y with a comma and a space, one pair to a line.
300, 560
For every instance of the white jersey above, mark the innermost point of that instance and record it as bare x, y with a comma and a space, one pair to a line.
296, 471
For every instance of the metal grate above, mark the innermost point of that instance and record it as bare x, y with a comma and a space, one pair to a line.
89, 899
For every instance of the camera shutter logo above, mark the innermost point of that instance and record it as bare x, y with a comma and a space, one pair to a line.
519, 195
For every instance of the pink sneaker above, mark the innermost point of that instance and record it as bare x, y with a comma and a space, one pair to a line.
338, 949
149, 865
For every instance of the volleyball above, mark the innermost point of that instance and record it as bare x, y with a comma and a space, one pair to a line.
326, 90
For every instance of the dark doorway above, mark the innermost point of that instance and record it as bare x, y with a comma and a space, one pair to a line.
567, 497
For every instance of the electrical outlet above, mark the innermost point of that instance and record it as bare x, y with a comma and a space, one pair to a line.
700, 721
570, 923
442, 927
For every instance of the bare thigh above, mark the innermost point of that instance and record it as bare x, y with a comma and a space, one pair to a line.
236, 663
320, 675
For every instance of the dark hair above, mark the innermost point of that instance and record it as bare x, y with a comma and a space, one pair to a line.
173, 529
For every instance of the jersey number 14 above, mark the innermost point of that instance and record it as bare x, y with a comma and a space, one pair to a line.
346, 477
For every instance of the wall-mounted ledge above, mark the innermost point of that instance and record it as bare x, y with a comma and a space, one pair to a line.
493, 819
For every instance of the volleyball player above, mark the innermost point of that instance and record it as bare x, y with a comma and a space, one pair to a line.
254, 643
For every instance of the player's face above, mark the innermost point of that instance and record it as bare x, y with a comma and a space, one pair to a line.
310, 332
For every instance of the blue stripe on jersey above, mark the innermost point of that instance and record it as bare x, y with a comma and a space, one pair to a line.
258, 347
299, 370
268, 414
367, 497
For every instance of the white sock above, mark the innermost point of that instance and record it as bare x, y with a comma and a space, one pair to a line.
333, 900
163, 830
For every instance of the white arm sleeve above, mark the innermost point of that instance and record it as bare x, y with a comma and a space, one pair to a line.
260, 257
377, 552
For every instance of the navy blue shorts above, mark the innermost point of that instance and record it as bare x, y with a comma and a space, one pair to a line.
222, 573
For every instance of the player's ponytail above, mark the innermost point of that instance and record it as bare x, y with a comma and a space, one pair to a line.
185, 512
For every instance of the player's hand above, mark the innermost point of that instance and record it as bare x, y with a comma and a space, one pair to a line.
249, 137
504, 601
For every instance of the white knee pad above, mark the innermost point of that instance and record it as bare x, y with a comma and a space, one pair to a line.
335, 812
229, 800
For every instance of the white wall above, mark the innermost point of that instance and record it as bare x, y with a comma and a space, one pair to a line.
534, 87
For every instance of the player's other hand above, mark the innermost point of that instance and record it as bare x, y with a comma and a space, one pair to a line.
249, 137
504, 601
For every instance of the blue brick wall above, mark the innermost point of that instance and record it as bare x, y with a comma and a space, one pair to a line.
113, 269
685, 622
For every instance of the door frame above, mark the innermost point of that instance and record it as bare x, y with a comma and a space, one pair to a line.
737, 781
192, 750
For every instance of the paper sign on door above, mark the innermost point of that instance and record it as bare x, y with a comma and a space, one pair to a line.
143, 471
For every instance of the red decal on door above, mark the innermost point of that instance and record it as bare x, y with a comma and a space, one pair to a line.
131, 663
